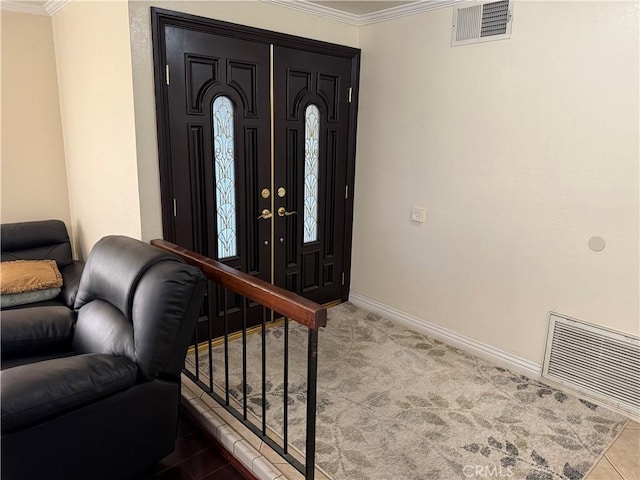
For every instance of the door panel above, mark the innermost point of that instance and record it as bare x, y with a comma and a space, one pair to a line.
296, 172
312, 268
219, 164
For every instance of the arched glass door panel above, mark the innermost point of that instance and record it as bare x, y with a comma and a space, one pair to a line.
224, 157
311, 156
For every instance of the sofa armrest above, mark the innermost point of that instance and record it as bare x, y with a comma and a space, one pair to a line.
71, 279
31, 393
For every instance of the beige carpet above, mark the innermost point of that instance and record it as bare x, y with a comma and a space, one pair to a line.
394, 404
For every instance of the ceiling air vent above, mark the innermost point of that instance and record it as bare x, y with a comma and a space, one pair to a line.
481, 22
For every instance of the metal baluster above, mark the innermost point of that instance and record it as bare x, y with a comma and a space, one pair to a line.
312, 377
209, 321
226, 351
286, 386
264, 371
196, 351
244, 358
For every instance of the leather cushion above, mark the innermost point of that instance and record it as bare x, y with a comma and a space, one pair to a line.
36, 330
113, 269
14, 362
56, 302
47, 239
101, 328
31, 393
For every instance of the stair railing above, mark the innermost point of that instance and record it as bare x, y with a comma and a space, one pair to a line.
284, 304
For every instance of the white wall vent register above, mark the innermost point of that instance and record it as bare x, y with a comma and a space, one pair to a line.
595, 360
481, 22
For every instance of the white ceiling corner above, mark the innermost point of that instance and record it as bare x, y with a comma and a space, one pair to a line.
33, 8
54, 6
403, 10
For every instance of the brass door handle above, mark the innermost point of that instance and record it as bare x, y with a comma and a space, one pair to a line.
265, 214
282, 212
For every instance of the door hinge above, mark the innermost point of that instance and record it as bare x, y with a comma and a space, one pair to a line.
342, 278
346, 191
175, 208
350, 91
166, 71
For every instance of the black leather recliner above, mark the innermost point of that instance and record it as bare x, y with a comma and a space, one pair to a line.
108, 407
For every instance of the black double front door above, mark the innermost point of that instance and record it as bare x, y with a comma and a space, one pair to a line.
256, 136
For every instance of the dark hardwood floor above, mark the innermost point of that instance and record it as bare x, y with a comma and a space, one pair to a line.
197, 457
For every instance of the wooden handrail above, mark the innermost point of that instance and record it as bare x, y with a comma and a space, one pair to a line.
302, 310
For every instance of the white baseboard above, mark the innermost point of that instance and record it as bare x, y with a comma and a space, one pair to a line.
482, 350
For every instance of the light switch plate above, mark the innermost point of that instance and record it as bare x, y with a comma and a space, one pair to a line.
418, 215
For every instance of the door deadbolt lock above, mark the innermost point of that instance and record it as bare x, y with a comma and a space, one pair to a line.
265, 193
282, 212
281, 192
265, 214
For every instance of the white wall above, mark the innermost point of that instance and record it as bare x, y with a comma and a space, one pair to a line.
252, 13
96, 100
520, 150
34, 181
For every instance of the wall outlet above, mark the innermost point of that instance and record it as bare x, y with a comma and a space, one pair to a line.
418, 214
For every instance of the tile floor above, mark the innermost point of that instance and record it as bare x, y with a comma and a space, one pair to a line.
620, 462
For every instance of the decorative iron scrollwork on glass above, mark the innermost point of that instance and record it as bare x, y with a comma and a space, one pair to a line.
311, 159
224, 156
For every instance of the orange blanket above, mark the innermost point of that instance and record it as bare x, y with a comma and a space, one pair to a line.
21, 276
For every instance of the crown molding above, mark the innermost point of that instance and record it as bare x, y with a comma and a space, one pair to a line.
21, 7
54, 6
319, 10
406, 10
392, 13
50, 8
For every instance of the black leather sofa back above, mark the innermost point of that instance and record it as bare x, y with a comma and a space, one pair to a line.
41, 240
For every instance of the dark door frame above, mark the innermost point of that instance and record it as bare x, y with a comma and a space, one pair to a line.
161, 18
